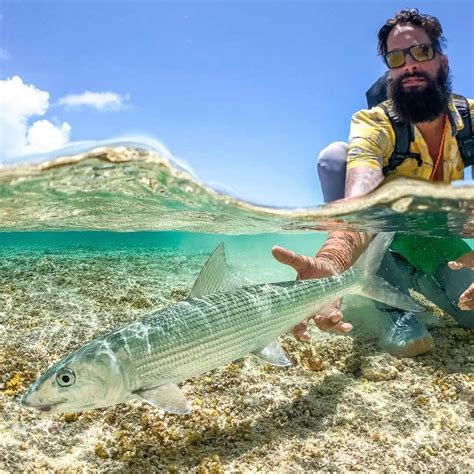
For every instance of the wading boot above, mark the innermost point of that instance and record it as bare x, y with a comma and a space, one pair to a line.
404, 335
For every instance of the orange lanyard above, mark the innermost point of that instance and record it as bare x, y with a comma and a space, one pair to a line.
441, 149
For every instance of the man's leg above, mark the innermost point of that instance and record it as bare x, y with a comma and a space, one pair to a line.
433, 278
405, 336
332, 164
444, 290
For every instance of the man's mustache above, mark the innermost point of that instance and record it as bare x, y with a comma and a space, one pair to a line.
409, 75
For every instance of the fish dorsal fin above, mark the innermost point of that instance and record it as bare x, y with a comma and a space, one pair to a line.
213, 276
167, 397
273, 354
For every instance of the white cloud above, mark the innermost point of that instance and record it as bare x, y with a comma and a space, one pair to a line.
45, 136
97, 100
18, 103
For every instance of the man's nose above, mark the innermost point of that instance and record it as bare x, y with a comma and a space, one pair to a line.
411, 64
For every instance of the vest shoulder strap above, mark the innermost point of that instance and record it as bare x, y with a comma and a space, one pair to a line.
404, 135
465, 137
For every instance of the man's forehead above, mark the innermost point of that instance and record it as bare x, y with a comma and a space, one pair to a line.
404, 36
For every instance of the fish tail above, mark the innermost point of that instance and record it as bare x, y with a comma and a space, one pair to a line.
376, 287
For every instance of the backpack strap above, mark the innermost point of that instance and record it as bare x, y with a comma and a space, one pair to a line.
378, 91
403, 138
465, 136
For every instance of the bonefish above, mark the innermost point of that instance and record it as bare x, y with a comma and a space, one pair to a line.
214, 326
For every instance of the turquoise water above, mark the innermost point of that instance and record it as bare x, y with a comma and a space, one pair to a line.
248, 254
97, 240
128, 209
113, 232
123, 198
60, 289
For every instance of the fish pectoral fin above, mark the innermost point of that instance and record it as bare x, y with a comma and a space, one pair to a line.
168, 397
380, 290
273, 354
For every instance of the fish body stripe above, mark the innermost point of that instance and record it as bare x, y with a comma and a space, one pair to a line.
200, 334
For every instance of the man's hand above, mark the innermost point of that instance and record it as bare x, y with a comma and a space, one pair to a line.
330, 317
466, 300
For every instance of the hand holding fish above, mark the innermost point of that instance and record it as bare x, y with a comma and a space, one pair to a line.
331, 317
466, 300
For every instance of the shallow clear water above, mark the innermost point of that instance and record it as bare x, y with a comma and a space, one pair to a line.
133, 211
95, 241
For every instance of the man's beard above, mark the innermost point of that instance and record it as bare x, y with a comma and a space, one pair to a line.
414, 105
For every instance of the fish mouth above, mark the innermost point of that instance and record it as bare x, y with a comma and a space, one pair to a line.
43, 408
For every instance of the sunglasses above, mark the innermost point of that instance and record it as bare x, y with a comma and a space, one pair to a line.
419, 52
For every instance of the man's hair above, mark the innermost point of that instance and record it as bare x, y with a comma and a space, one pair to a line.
411, 16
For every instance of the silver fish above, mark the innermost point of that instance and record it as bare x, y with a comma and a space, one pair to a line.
214, 326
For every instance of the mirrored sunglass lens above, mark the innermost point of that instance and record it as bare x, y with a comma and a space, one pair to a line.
422, 52
395, 58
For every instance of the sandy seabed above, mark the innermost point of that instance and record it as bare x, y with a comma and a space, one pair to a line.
343, 406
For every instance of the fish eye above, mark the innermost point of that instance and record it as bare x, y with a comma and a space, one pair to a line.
65, 377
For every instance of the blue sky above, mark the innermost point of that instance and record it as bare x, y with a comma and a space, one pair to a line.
247, 93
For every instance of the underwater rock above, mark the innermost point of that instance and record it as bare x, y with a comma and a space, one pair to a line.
379, 368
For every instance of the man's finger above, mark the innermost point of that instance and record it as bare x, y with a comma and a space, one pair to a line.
466, 260
466, 305
340, 327
328, 311
334, 322
300, 331
343, 327
298, 262
466, 300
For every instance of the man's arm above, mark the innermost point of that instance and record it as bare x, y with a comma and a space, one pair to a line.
369, 142
362, 180
338, 253
344, 248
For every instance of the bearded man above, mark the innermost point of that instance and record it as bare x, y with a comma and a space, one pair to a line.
421, 104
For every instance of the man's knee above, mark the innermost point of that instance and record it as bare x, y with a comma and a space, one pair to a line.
332, 170
333, 156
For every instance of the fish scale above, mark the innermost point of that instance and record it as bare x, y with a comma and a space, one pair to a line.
216, 329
